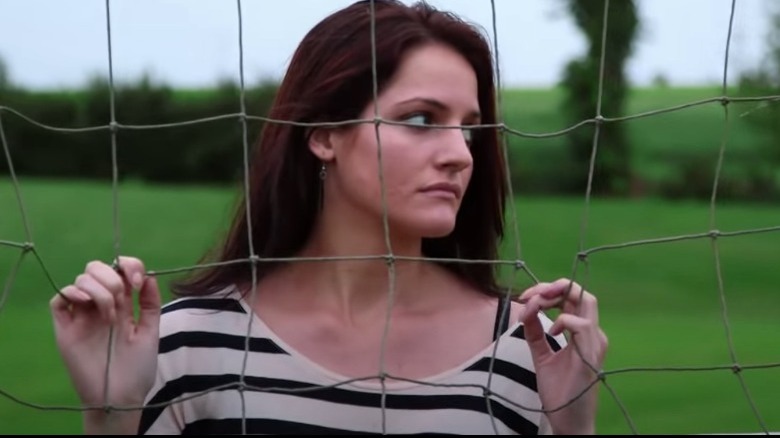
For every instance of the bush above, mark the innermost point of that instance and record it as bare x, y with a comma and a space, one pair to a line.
744, 177
203, 152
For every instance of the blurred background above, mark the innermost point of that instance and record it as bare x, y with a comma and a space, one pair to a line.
698, 303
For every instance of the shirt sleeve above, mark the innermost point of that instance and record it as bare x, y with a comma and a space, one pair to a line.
160, 415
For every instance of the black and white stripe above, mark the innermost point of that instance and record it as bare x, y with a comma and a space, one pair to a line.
204, 346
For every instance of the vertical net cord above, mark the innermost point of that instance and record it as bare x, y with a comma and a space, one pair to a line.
505, 147
15, 183
247, 200
599, 119
11, 277
385, 225
714, 233
115, 194
28, 246
513, 211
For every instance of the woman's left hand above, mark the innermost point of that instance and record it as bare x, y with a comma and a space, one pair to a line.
563, 376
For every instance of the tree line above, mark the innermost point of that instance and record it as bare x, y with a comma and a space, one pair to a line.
213, 151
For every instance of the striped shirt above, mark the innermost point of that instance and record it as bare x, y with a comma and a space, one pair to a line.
202, 354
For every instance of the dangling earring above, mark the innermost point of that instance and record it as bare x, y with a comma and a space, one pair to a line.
323, 174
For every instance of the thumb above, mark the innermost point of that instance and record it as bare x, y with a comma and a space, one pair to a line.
149, 303
534, 332
61, 312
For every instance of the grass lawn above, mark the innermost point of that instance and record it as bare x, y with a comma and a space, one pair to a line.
659, 304
660, 144
664, 146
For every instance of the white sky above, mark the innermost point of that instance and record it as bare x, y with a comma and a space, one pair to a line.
191, 43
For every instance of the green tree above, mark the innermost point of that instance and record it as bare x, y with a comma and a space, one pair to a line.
764, 80
612, 170
4, 82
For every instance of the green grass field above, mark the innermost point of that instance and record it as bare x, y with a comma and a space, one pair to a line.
696, 129
663, 147
659, 304
660, 144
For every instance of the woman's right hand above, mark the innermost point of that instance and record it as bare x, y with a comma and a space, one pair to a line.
84, 314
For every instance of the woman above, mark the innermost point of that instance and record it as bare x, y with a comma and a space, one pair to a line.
316, 328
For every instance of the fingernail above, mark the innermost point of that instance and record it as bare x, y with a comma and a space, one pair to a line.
137, 280
83, 295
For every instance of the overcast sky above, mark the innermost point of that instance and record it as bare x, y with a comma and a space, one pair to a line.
192, 43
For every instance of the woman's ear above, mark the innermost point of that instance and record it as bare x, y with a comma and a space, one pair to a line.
320, 141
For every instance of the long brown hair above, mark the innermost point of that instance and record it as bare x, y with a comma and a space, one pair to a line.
330, 79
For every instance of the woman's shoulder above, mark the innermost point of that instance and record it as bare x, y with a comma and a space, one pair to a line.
202, 313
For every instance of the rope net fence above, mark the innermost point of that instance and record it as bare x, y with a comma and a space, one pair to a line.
27, 251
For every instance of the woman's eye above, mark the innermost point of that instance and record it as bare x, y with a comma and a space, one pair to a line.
468, 134
418, 119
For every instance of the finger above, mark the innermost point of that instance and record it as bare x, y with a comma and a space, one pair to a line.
564, 289
541, 303
70, 294
577, 300
573, 298
573, 323
62, 304
532, 291
590, 338
534, 332
149, 303
589, 308
102, 297
554, 293
106, 276
116, 283
133, 270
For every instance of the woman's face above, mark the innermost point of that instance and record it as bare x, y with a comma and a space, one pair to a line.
426, 171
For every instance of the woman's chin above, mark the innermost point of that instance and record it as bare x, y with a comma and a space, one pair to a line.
431, 227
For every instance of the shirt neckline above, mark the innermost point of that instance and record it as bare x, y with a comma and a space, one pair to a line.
260, 328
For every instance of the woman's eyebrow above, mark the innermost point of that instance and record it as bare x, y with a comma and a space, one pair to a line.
438, 104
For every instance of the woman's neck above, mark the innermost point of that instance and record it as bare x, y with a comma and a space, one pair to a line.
361, 279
